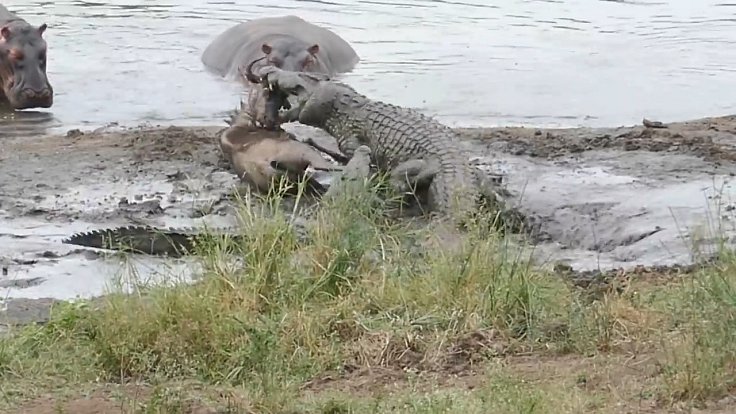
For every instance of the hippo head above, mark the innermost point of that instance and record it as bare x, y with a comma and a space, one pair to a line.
23, 67
293, 58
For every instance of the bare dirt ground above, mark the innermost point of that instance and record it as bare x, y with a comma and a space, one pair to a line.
607, 197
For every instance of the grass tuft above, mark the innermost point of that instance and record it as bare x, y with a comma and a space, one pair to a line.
330, 314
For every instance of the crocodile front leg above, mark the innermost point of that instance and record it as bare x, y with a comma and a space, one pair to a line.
291, 115
412, 175
353, 174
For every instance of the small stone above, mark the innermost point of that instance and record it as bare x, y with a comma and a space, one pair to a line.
74, 133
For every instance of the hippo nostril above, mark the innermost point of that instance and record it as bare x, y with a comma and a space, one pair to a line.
28, 94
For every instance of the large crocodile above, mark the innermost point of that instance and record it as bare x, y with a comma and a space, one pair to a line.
426, 152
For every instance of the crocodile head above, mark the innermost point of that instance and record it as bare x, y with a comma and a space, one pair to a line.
279, 85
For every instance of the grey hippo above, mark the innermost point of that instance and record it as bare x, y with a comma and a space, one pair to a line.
23, 63
286, 42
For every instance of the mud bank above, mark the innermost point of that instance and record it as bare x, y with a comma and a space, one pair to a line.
607, 198
620, 197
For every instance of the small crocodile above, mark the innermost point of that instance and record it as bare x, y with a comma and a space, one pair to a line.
426, 152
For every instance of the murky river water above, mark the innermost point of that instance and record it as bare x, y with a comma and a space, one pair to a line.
534, 62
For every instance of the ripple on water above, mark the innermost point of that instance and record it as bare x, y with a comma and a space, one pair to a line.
565, 62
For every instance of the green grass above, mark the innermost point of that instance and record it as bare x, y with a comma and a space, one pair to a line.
367, 294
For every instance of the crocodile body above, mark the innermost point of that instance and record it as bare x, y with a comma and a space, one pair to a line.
396, 136
172, 242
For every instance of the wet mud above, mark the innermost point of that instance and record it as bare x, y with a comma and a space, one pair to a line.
614, 198
620, 197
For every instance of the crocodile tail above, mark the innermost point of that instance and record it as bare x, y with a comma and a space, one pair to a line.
136, 239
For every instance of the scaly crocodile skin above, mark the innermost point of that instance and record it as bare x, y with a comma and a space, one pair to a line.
143, 239
172, 242
394, 134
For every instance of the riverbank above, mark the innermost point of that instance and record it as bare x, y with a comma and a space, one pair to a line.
608, 196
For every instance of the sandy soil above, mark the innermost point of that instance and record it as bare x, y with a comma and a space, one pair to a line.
607, 197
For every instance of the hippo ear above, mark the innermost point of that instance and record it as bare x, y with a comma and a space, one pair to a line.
42, 28
266, 48
5, 32
314, 49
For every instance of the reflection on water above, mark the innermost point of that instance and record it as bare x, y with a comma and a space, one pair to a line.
536, 62
26, 123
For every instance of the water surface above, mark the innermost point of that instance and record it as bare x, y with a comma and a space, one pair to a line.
469, 63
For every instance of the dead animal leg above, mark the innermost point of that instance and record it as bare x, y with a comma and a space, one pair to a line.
337, 156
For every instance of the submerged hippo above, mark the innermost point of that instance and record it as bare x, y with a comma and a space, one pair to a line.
287, 42
23, 63
290, 43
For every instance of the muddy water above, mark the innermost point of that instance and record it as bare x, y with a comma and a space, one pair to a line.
536, 62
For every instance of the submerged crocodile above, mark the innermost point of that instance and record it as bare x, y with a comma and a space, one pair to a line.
426, 153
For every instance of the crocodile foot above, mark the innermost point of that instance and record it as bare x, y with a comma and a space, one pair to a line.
412, 175
353, 174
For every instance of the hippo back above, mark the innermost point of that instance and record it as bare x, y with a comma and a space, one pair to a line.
7, 16
242, 43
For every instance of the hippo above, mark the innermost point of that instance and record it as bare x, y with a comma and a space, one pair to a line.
290, 42
287, 42
23, 79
